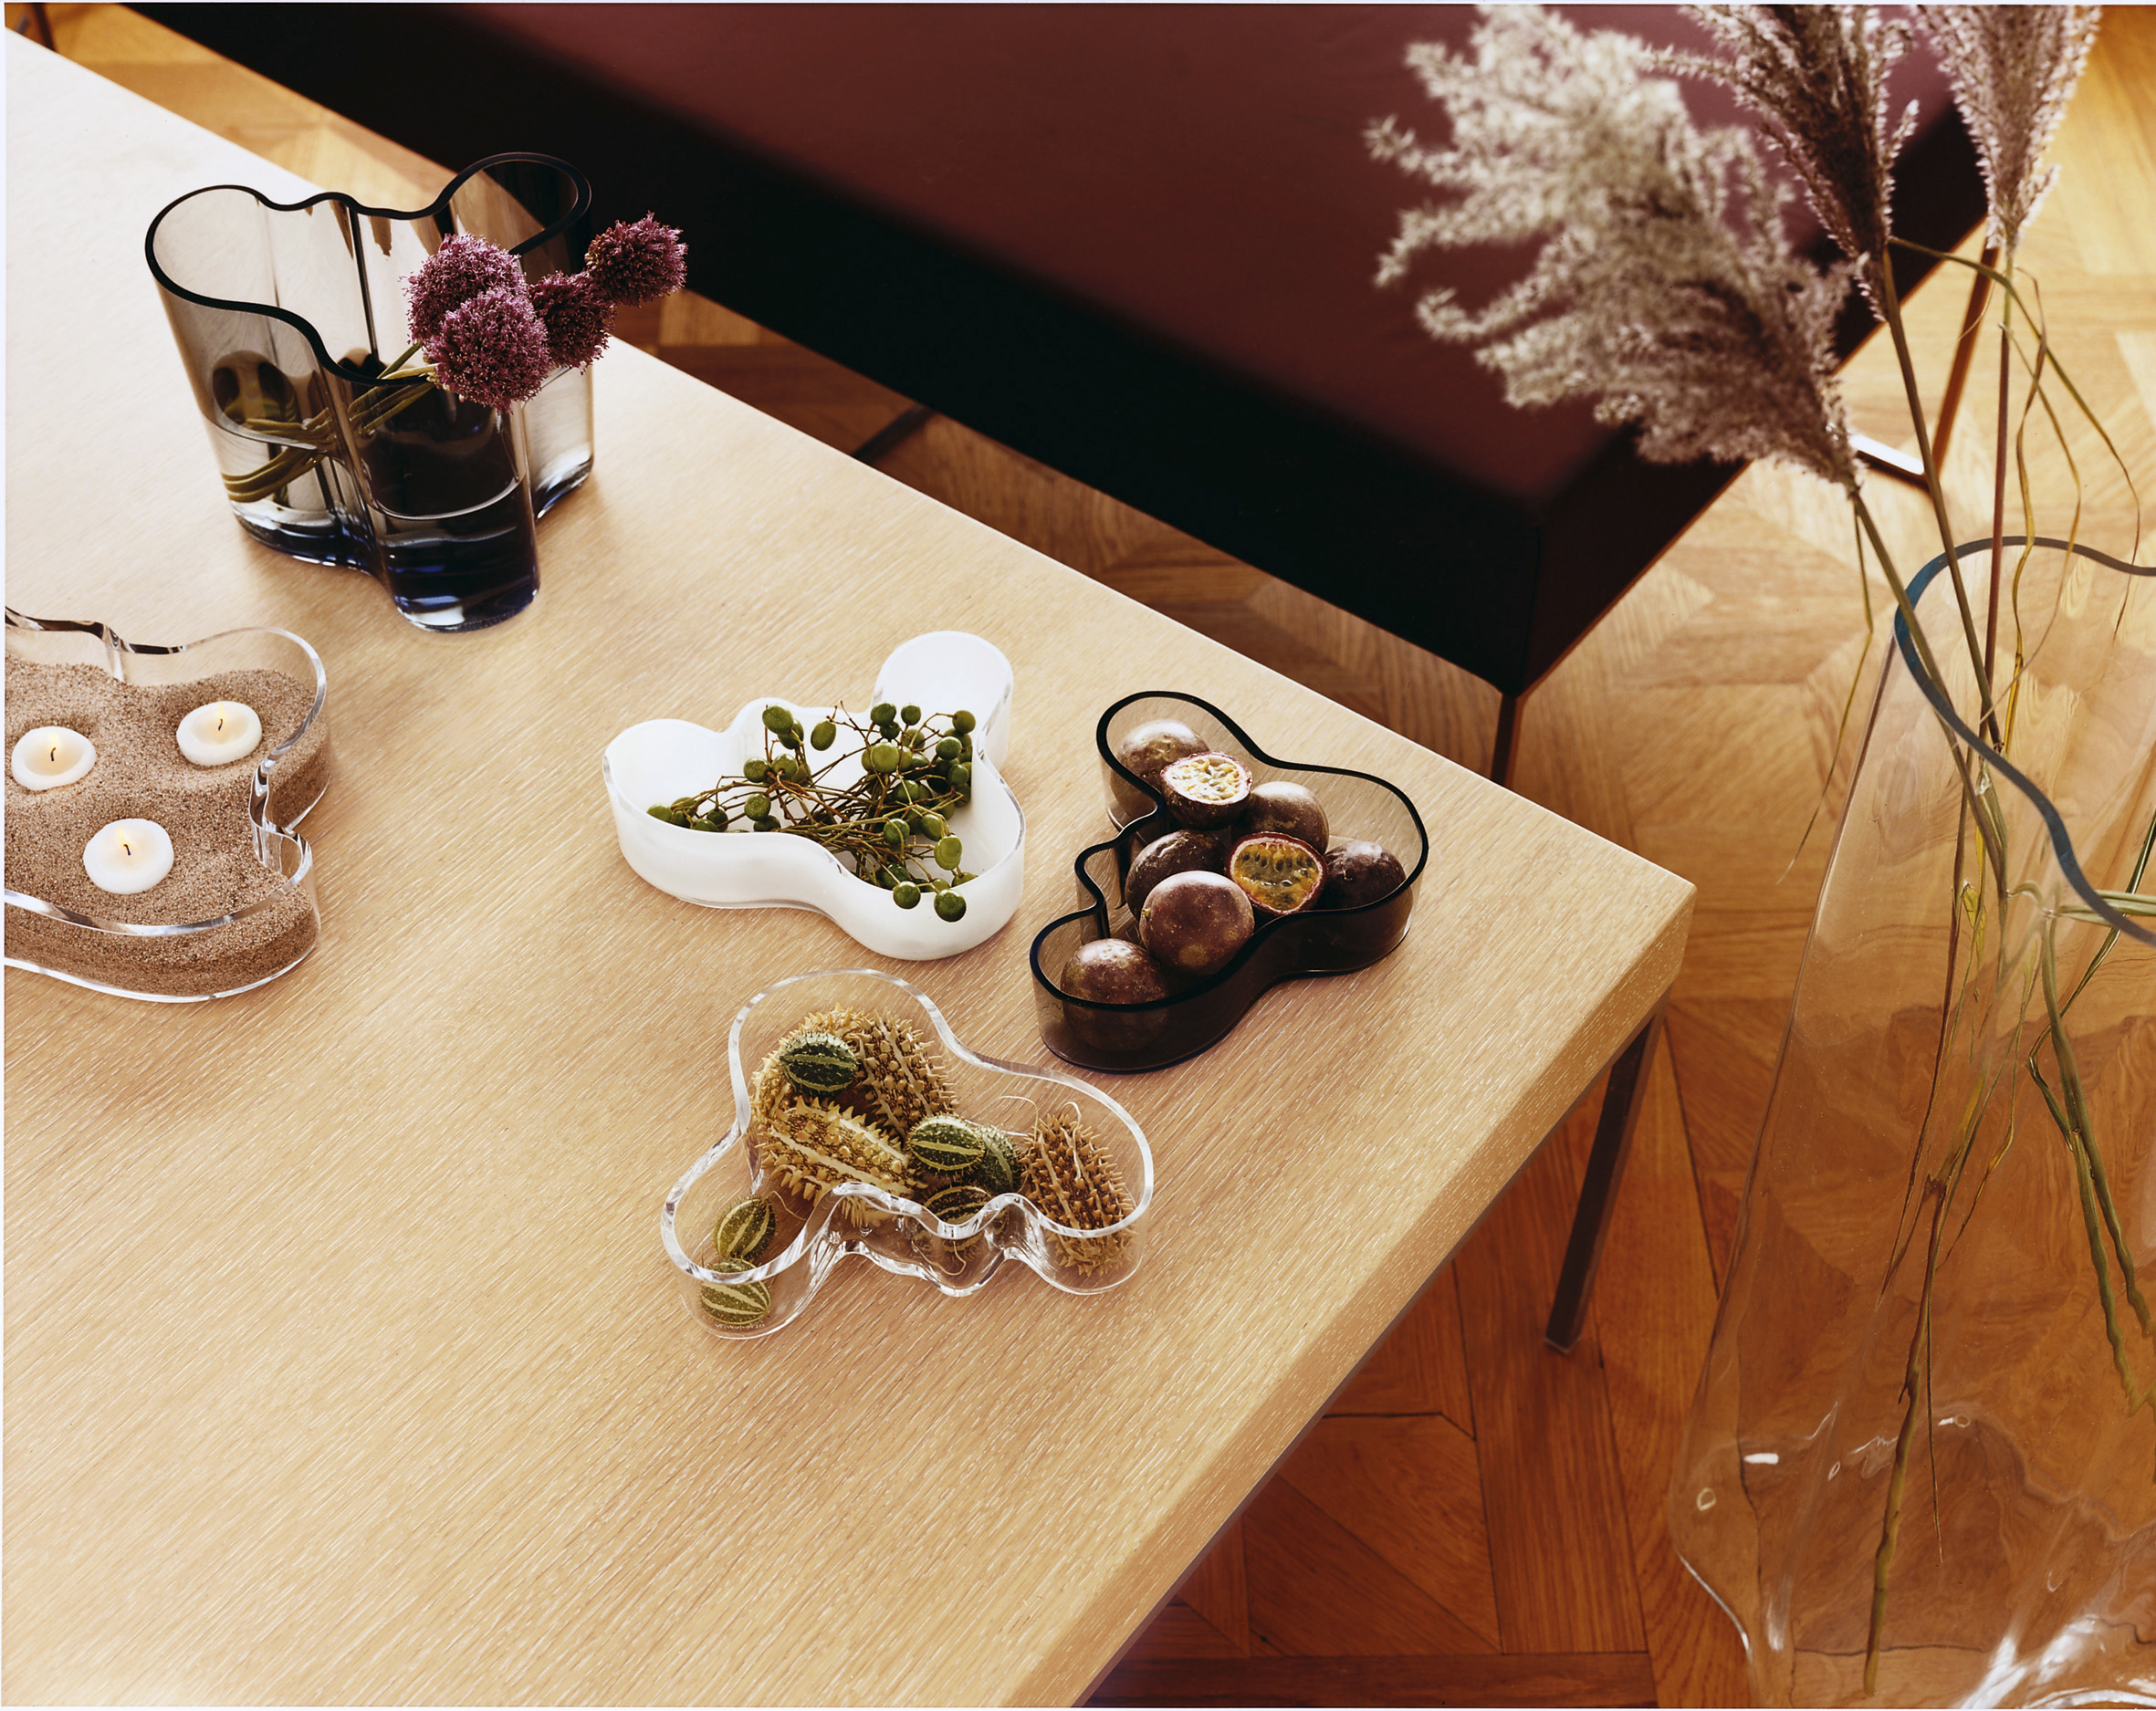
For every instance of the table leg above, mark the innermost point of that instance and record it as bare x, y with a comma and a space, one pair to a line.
1605, 1165
1507, 749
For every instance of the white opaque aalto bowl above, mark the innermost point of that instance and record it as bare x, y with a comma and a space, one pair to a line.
662, 760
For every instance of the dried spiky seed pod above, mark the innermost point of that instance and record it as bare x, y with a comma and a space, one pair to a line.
818, 1063
745, 1229
901, 1081
810, 1146
1068, 1175
739, 1305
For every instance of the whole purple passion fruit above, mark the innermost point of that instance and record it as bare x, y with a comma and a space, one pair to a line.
1278, 873
1113, 971
1278, 805
1194, 924
1358, 871
1205, 790
1178, 852
1146, 749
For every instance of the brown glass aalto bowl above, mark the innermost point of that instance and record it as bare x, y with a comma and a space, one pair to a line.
1130, 1036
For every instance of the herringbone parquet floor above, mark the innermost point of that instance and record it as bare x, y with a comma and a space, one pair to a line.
1476, 1519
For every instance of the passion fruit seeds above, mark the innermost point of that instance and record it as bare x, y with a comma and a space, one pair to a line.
1205, 790
890, 824
1278, 873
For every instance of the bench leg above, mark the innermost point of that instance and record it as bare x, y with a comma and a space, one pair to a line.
1605, 1165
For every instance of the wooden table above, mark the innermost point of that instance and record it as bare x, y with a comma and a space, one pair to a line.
342, 1359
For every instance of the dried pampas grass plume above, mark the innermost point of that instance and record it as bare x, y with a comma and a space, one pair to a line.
2014, 70
1664, 288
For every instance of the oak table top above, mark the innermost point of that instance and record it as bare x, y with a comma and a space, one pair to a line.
342, 1358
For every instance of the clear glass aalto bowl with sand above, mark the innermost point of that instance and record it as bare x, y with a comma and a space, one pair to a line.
238, 908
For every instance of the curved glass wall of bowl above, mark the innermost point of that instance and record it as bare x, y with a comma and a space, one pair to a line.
895, 1231
220, 955
1317, 941
288, 316
662, 760
1932, 1353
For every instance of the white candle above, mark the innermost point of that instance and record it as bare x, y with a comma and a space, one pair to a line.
129, 855
223, 731
52, 754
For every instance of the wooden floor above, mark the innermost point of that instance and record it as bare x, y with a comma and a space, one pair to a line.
1476, 1519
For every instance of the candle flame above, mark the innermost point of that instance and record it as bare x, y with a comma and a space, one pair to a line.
220, 716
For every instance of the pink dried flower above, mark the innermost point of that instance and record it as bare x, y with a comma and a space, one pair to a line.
577, 317
492, 349
637, 261
463, 268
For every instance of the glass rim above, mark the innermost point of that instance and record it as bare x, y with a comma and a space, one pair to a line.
354, 207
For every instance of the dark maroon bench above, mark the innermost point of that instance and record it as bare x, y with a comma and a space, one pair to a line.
1135, 243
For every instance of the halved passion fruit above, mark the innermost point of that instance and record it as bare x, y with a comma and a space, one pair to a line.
1278, 873
1203, 791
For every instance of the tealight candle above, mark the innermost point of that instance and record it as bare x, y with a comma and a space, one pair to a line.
129, 855
52, 754
223, 731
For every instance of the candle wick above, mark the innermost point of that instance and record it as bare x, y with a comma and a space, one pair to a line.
128, 849
56, 753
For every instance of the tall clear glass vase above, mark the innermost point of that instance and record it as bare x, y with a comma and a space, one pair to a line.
290, 321
1926, 1404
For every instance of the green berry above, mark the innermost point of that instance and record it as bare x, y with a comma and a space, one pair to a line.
757, 807
756, 769
882, 713
882, 757
961, 721
949, 905
905, 896
949, 749
961, 778
910, 714
659, 810
948, 853
894, 833
910, 736
932, 825
766, 822
706, 822
823, 735
778, 721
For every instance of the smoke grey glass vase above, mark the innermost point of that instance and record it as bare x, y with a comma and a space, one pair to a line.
292, 325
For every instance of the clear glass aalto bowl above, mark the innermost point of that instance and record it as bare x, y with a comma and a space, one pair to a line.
1322, 941
896, 1234
92, 950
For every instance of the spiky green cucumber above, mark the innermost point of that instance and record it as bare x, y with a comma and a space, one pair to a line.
819, 1063
998, 1170
946, 1146
901, 1080
745, 1229
958, 1202
736, 1305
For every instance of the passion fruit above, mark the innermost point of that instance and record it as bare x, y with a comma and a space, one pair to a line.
1178, 852
1359, 871
1113, 971
1205, 790
1279, 805
1278, 873
1193, 923
1146, 749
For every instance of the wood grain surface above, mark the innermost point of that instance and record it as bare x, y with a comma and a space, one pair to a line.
342, 1359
